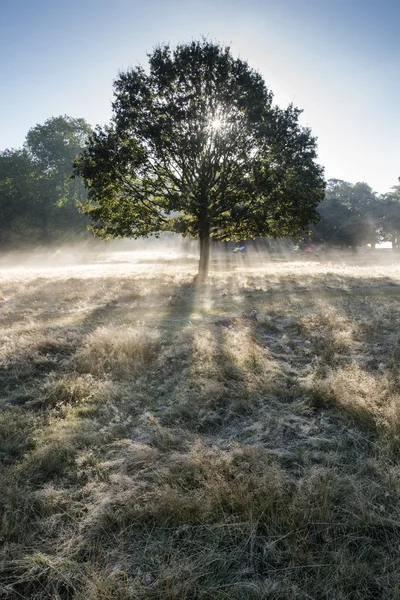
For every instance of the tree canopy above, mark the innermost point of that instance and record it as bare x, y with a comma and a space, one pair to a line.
38, 197
348, 214
389, 216
354, 215
195, 145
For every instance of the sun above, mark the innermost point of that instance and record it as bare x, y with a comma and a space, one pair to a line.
216, 123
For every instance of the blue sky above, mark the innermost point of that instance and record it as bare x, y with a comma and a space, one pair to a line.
338, 60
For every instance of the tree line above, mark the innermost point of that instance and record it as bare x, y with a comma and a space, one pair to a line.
355, 215
39, 196
195, 146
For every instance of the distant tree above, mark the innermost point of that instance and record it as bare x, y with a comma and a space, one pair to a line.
56, 143
53, 148
17, 193
389, 216
349, 215
38, 197
196, 146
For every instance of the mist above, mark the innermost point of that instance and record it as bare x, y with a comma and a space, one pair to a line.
174, 254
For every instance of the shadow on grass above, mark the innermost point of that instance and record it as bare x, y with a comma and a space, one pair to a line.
233, 478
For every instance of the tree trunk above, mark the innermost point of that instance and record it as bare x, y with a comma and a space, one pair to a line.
204, 262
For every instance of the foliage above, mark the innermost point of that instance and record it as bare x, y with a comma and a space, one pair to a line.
17, 183
349, 214
38, 197
389, 216
197, 146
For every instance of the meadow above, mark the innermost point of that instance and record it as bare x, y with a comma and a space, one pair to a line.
148, 453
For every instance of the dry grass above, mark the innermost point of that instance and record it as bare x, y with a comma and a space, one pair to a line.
147, 454
119, 352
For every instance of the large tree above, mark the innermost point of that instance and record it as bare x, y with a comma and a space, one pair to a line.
196, 145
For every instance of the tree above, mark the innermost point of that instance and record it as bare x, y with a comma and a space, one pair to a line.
53, 148
55, 144
389, 216
17, 192
38, 197
349, 214
196, 146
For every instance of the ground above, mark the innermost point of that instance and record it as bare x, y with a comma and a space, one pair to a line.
147, 453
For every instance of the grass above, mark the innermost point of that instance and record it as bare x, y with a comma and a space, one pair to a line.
146, 453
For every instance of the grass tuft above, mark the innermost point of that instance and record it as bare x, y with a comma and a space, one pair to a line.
118, 352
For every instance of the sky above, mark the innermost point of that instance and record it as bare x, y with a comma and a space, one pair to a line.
338, 60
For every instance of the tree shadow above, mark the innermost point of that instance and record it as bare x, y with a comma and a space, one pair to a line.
245, 386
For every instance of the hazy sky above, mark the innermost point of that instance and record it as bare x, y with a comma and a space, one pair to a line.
339, 60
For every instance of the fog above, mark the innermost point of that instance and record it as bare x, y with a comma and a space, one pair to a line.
92, 256
174, 254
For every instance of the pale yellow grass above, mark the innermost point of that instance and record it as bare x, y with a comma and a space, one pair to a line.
147, 453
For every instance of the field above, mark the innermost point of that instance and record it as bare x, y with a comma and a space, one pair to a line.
148, 453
